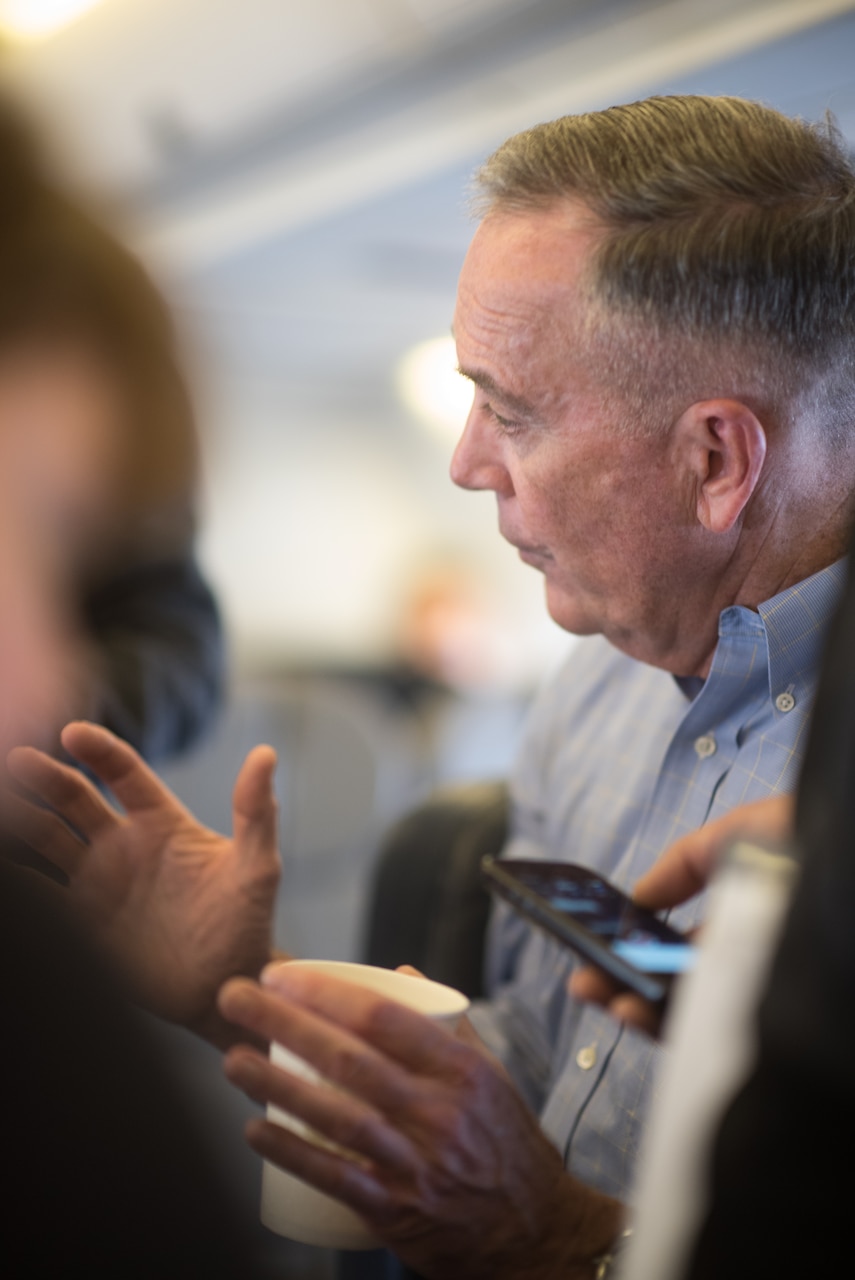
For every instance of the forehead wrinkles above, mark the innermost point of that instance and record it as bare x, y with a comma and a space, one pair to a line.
527, 336
493, 318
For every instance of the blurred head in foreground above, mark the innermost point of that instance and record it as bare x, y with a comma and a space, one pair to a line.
96, 429
87, 359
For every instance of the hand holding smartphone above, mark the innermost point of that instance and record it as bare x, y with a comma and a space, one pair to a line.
586, 913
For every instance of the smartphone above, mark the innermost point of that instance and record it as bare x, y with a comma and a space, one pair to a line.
594, 919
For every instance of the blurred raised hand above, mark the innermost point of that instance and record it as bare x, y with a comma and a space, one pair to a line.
180, 907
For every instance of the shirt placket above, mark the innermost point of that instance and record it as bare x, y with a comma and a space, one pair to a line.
699, 756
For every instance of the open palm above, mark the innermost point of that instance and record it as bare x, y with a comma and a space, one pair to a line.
181, 907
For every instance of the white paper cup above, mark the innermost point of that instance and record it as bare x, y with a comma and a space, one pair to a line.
289, 1206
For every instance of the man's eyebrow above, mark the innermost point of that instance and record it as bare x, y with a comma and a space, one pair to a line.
489, 385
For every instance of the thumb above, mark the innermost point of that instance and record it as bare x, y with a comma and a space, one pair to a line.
681, 872
255, 811
685, 869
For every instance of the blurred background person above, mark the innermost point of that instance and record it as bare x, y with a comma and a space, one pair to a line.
106, 1170
105, 614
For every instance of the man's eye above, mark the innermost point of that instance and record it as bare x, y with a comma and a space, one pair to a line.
508, 425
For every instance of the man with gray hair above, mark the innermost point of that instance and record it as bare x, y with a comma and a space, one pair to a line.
657, 314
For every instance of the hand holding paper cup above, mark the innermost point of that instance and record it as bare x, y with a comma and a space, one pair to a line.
289, 1206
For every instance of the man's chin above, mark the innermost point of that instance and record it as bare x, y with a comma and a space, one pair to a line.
569, 612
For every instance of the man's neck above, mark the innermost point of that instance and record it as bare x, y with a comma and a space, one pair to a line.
760, 572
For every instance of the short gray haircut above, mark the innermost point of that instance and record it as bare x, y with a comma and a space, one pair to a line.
727, 225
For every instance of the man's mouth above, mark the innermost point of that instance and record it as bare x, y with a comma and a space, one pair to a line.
532, 554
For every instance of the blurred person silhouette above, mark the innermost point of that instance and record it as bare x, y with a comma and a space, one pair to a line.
88, 361
106, 1171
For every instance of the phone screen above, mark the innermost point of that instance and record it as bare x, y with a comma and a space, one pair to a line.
637, 936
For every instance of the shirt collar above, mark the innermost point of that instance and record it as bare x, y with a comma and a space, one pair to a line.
794, 623
791, 626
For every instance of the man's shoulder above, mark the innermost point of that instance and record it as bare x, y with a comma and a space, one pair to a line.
596, 652
597, 698
595, 670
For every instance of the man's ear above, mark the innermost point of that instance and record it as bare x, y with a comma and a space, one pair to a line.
722, 446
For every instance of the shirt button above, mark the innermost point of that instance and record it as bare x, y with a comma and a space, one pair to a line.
587, 1057
705, 745
785, 702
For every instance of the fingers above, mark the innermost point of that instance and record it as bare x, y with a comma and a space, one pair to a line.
65, 789
637, 1013
463, 1029
255, 811
686, 867
336, 1054
43, 831
118, 766
594, 987
340, 1117
402, 1034
683, 871
343, 1179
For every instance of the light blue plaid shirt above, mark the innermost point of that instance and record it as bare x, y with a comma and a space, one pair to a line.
619, 760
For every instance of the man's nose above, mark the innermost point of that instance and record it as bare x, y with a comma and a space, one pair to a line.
476, 462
